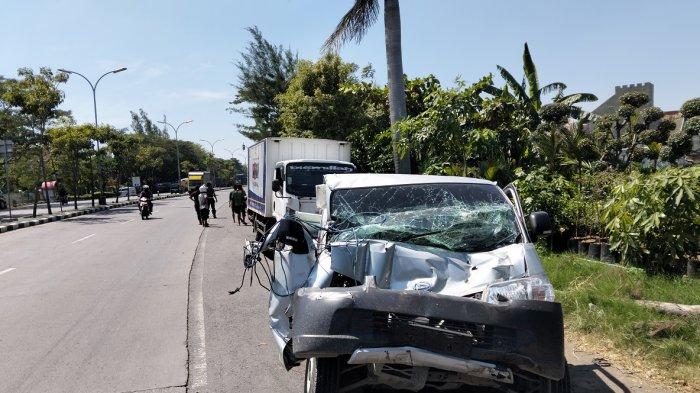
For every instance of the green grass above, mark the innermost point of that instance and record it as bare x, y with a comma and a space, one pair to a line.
598, 301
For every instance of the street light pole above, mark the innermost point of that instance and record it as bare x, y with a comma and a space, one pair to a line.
233, 160
94, 106
177, 144
212, 156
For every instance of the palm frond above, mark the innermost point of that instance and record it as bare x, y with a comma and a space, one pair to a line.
576, 98
354, 24
493, 90
513, 84
530, 72
555, 86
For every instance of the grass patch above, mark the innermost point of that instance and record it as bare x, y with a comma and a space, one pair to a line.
598, 301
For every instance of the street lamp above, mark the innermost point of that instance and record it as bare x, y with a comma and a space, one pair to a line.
212, 155
94, 105
233, 160
177, 146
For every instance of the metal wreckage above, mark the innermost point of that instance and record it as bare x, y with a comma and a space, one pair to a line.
412, 282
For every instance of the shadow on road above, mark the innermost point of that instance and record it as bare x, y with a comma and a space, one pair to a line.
114, 215
592, 378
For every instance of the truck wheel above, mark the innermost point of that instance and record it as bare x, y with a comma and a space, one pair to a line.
321, 375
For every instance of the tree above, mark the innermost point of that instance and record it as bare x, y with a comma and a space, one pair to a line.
70, 144
37, 96
315, 105
530, 94
142, 124
264, 72
353, 26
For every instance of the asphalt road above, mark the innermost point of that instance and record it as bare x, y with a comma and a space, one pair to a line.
108, 303
97, 303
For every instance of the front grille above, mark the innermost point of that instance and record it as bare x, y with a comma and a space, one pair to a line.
437, 334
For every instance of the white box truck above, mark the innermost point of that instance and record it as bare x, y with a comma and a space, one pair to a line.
283, 174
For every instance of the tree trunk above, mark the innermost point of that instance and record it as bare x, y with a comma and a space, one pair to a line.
692, 268
42, 168
397, 90
75, 182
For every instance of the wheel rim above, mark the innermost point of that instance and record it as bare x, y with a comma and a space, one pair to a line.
310, 368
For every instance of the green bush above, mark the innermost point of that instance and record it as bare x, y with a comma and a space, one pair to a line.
635, 99
692, 126
653, 220
691, 108
552, 193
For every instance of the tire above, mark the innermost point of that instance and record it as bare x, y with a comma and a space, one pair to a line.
321, 375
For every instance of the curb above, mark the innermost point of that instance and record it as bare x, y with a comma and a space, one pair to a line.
58, 217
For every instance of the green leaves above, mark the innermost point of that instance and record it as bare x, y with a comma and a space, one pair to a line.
653, 219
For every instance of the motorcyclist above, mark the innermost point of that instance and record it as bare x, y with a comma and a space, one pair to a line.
148, 194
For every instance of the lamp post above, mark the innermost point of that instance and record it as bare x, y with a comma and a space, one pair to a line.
233, 162
212, 156
177, 145
94, 105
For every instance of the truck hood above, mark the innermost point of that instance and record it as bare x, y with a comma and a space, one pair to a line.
402, 266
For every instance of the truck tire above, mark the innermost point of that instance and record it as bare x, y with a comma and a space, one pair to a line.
321, 375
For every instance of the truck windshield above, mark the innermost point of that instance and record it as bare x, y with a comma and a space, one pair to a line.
301, 178
457, 217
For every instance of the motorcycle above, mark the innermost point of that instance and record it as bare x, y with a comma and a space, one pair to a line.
144, 208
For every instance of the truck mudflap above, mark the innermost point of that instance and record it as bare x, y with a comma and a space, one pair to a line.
525, 335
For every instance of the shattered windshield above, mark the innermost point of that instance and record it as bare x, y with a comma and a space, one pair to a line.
302, 178
457, 217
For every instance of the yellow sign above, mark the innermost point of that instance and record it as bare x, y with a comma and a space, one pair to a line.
195, 177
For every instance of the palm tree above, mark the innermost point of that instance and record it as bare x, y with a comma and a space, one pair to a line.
353, 26
530, 94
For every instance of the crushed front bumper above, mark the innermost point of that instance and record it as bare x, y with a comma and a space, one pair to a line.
525, 334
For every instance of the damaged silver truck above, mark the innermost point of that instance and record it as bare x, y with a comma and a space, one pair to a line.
414, 283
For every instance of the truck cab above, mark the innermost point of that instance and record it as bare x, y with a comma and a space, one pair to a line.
295, 183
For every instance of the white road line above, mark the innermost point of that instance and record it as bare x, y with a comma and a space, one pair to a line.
83, 238
128, 221
7, 270
198, 354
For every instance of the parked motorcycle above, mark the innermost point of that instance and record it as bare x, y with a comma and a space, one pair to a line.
144, 208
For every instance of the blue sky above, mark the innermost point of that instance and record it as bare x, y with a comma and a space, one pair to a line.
180, 53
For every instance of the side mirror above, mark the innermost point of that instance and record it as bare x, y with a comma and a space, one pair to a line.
541, 224
276, 185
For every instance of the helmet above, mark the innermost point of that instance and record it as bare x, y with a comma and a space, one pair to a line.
145, 186
203, 188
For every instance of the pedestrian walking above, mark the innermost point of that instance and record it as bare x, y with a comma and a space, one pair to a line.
211, 199
194, 196
203, 205
237, 202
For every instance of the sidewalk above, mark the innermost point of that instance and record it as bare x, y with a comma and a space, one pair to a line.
25, 211
86, 208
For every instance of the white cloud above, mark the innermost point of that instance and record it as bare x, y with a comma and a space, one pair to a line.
201, 95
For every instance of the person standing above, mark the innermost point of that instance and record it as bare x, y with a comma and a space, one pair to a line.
203, 205
237, 202
211, 199
194, 195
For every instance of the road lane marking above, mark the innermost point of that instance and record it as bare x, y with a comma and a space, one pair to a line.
83, 238
7, 270
197, 349
128, 221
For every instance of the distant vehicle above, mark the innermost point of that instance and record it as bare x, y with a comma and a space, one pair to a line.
172, 188
127, 191
283, 174
242, 179
197, 178
175, 188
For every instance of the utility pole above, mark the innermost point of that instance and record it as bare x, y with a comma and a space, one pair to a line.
177, 143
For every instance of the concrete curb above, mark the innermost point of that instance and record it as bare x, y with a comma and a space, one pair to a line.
58, 217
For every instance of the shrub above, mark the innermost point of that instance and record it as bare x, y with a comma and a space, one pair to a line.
650, 115
653, 219
555, 113
552, 193
691, 108
692, 126
625, 111
635, 99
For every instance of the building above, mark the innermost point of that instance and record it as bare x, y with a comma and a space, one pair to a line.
610, 105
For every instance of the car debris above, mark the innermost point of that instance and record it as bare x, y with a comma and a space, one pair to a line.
412, 281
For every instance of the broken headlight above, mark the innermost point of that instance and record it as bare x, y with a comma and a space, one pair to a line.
531, 288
